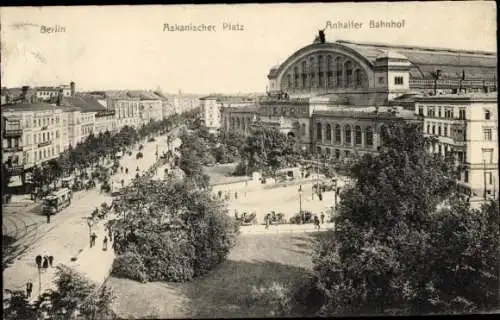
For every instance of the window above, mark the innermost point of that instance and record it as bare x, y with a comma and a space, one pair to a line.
347, 134
338, 135
339, 71
488, 155
428, 128
303, 129
461, 114
337, 153
398, 81
445, 131
348, 68
487, 134
358, 136
369, 136
304, 74
380, 80
319, 132
329, 133
466, 176
357, 78
420, 111
439, 130
433, 129
489, 176
487, 115
439, 112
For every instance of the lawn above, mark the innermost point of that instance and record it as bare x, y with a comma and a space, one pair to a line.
257, 260
222, 173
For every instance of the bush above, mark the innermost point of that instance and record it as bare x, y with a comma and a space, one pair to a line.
183, 235
276, 297
152, 139
130, 266
139, 155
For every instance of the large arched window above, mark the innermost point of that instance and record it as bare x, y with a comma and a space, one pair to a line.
338, 75
289, 83
338, 134
303, 129
358, 138
319, 133
329, 71
297, 77
321, 83
347, 135
357, 78
348, 71
304, 74
369, 136
312, 68
329, 133
238, 123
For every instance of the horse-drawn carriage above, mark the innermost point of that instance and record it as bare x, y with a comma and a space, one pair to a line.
246, 218
275, 218
302, 217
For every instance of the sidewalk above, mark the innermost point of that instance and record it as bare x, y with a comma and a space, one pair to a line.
284, 228
71, 238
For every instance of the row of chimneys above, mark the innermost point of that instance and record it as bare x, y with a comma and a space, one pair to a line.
24, 94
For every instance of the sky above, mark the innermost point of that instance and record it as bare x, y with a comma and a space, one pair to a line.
126, 47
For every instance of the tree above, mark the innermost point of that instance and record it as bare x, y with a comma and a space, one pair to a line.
268, 150
170, 231
17, 307
387, 246
76, 294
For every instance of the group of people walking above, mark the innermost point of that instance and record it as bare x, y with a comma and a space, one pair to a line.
44, 262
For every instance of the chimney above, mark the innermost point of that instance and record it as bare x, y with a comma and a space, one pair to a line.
24, 94
72, 86
59, 97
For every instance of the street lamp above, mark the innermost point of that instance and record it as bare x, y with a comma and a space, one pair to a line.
334, 183
300, 199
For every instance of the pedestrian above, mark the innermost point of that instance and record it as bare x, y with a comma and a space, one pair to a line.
110, 234
126, 170
235, 195
45, 262
266, 218
51, 260
105, 243
48, 217
320, 196
322, 217
316, 223
38, 260
93, 236
29, 288
121, 168
220, 194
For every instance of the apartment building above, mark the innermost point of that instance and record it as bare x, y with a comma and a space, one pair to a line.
32, 134
150, 105
466, 125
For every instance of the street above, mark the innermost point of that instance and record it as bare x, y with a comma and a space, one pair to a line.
67, 236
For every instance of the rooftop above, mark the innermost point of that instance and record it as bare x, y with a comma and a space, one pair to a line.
40, 106
488, 96
84, 103
424, 60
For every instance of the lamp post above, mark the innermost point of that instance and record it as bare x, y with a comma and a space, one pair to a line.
300, 199
334, 183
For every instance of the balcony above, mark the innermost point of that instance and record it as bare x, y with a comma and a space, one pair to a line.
13, 149
44, 144
9, 133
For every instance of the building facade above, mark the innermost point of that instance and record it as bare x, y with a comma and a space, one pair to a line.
33, 133
328, 84
466, 126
